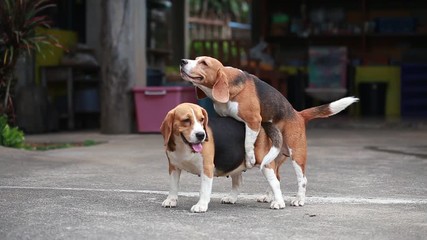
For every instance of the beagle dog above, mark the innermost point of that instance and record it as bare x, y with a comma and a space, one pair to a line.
207, 148
248, 99
234, 96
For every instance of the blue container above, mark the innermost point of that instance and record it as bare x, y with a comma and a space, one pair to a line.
413, 90
396, 24
87, 101
154, 77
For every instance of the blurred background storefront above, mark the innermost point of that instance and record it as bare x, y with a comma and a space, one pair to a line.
311, 51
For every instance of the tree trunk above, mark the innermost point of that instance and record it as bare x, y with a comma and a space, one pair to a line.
119, 64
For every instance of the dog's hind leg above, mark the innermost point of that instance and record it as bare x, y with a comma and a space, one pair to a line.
298, 162
236, 181
302, 185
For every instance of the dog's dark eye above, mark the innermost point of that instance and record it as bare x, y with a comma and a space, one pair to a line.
201, 119
186, 121
203, 62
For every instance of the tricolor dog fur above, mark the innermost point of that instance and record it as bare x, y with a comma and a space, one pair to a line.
246, 98
208, 148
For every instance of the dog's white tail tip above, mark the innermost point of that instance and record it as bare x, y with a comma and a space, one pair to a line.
271, 155
341, 104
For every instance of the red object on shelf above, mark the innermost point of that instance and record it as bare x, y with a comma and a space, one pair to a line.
153, 103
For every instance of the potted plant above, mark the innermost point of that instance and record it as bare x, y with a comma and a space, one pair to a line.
18, 23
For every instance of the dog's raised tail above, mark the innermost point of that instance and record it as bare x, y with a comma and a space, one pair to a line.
326, 110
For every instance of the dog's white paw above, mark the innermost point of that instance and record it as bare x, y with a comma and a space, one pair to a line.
265, 198
228, 200
298, 201
199, 208
169, 202
277, 205
250, 160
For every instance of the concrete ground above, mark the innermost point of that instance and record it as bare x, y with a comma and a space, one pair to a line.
368, 183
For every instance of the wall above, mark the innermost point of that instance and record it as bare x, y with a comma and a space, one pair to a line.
388, 74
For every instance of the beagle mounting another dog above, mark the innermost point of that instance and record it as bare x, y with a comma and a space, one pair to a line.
207, 147
246, 98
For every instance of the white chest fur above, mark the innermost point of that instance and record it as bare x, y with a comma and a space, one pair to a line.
183, 158
228, 109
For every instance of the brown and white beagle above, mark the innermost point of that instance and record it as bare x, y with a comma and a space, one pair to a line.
248, 99
208, 148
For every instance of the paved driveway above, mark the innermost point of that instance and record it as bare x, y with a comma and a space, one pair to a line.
362, 184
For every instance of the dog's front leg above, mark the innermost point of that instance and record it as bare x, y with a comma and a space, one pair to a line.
248, 114
250, 138
205, 195
172, 198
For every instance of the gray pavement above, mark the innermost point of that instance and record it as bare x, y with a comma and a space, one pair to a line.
362, 184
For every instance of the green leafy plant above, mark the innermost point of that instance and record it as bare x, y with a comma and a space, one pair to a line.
18, 22
14, 137
239, 10
10, 136
88, 143
46, 146
52, 146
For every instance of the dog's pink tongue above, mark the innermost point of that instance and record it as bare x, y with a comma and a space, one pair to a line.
197, 147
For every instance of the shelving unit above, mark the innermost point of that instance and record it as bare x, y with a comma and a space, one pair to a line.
346, 23
75, 78
158, 34
380, 37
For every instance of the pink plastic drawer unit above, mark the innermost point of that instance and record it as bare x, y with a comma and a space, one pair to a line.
153, 103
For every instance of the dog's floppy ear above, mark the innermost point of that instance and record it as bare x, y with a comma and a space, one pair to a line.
166, 127
205, 123
200, 94
220, 90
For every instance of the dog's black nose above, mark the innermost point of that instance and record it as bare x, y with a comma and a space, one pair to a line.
200, 136
183, 62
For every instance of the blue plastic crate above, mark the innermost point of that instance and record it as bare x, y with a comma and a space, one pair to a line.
414, 90
396, 24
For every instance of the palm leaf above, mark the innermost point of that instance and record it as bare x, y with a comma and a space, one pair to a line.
39, 9
30, 14
7, 5
27, 46
52, 38
41, 2
5, 56
11, 55
18, 21
36, 21
36, 44
17, 34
